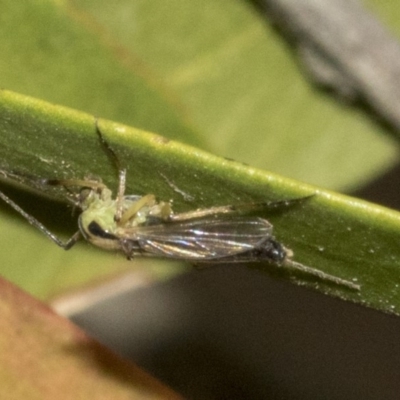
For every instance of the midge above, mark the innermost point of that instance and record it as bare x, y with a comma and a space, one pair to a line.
142, 226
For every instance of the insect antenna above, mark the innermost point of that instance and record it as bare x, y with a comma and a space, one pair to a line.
81, 183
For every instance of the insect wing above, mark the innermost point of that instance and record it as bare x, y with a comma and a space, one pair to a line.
203, 239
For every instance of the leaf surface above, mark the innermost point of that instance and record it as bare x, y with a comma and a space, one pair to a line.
341, 236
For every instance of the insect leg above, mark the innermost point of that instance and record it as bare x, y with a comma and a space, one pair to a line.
320, 274
34, 222
121, 171
186, 196
204, 212
147, 200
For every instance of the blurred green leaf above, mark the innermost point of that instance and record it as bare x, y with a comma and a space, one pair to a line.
212, 74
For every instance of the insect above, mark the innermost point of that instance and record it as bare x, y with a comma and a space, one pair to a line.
142, 226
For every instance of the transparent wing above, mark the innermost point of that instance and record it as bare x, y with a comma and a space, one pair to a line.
203, 239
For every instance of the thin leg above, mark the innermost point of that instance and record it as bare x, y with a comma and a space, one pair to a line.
186, 196
147, 200
121, 171
322, 275
200, 213
110, 151
120, 194
289, 264
34, 222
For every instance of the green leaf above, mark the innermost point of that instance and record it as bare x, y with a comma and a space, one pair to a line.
344, 237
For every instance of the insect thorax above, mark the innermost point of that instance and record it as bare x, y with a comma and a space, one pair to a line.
271, 250
99, 223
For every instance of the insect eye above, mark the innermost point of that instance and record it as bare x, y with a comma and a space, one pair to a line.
96, 230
